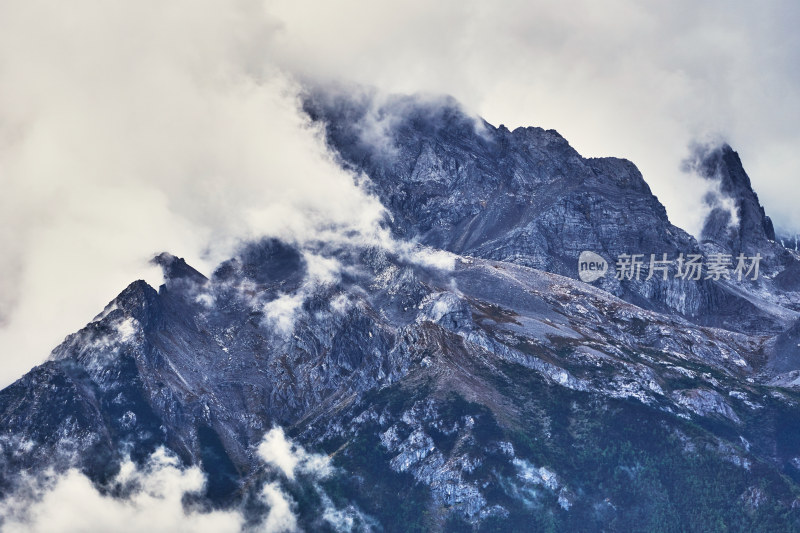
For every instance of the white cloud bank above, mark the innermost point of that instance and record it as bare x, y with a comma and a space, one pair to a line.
154, 498
289, 458
70, 503
640, 80
128, 128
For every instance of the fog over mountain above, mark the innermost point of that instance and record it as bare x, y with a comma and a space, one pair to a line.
268, 265
107, 112
453, 357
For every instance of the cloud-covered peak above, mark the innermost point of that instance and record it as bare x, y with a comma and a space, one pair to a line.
737, 219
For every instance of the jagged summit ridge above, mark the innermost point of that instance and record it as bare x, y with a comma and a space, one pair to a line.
492, 394
527, 197
744, 225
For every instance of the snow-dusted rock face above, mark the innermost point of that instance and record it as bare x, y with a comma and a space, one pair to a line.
705, 402
483, 390
526, 196
746, 227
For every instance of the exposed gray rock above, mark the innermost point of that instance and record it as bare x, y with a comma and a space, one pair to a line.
450, 384
705, 402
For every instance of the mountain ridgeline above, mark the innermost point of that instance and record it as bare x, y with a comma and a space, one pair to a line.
495, 392
455, 182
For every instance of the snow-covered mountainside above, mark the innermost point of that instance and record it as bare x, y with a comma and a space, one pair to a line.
468, 382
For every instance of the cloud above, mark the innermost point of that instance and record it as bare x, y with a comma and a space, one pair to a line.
276, 450
280, 516
714, 197
625, 78
128, 128
154, 503
152, 498
281, 312
291, 459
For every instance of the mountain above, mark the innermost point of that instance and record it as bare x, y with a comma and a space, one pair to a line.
455, 182
468, 382
744, 228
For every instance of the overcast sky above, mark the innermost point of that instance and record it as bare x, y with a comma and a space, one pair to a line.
133, 127
626, 78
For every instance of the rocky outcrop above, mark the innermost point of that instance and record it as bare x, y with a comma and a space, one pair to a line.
737, 221
490, 392
455, 182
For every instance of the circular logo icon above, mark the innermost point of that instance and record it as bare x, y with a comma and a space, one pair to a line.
591, 266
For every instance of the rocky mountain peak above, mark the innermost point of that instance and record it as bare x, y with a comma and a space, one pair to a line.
498, 393
737, 220
176, 268
138, 300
